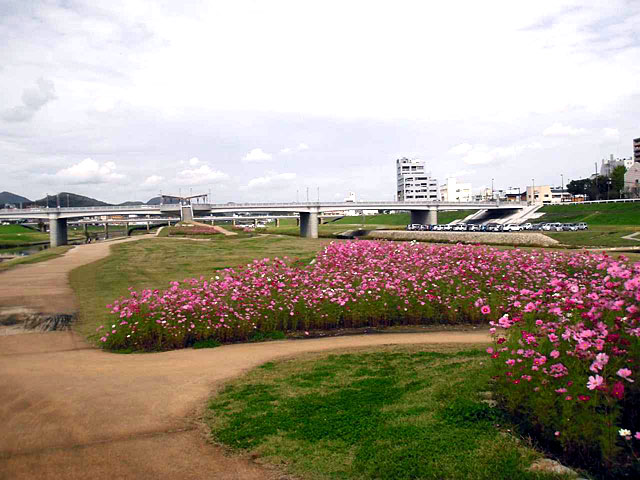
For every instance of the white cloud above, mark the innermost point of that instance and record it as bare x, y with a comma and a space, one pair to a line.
461, 149
460, 173
560, 130
33, 99
483, 154
195, 161
257, 155
270, 180
88, 171
153, 180
611, 134
201, 175
300, 148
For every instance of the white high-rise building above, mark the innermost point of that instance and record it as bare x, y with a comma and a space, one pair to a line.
452, 191
608, 166
414, 183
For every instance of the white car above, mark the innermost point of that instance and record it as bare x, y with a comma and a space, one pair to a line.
512, 227
527, 226
557, 227
460, 227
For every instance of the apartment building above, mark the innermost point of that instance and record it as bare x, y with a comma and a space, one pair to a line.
636, 150
452, 191
414, 182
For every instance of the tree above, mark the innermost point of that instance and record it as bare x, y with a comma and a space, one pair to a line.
579, 187
617, 181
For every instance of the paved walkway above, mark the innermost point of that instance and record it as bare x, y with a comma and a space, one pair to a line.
70, 411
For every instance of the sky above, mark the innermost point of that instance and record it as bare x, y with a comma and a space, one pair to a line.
282, 100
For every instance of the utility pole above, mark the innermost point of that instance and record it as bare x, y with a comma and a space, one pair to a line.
318, 194
307, 194
562, 188
297, 195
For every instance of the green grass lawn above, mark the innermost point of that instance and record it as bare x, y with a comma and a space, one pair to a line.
402, 219
154, 262
17, 235
593, 213
598, 236
42, 256
386, 413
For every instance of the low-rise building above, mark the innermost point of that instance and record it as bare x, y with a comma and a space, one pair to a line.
632, 181
547, 195
452, 191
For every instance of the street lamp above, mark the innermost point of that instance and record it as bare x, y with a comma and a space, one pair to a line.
562, 187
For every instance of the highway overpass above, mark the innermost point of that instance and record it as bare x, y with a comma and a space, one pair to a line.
423, 212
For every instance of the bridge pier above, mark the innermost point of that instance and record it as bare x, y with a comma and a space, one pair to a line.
424, 217
106, 230
148, 227
57, 232
127, 233
277, 222
309, 224
255, 222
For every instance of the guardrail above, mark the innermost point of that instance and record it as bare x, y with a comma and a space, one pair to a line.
398, 205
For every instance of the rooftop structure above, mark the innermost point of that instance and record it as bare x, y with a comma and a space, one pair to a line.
608, 166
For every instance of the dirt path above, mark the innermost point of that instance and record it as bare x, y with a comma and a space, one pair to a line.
70, 411
44, 287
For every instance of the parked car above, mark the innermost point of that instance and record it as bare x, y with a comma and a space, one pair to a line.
447, 227
460, 227
569, 227
414, 227
473, 227
547, 227
527, 226
512, 227
494, 227
537, 226
582, 226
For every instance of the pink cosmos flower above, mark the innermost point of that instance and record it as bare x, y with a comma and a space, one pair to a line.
624, 373
594, 382
486, 309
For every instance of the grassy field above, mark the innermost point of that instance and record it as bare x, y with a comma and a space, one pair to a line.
17, 235
154, 262
598, 236
393, 412
593, 213
47, 254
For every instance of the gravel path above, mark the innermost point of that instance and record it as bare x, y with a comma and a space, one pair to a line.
71, 411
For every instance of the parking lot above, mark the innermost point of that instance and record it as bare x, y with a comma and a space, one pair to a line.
497, 227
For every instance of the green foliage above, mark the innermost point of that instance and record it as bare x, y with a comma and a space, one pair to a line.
396, 413
264, 336
207, 343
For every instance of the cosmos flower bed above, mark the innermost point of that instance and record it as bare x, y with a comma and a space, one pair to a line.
566, 356
566, 325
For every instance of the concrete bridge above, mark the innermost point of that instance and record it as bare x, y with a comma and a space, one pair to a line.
423, 212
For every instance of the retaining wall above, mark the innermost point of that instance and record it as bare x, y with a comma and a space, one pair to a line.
495, 238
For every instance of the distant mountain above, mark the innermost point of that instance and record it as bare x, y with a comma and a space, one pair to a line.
158, 201
12, 199
68, 199
130, 204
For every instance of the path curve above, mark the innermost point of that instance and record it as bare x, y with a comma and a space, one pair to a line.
69, 410
72, 411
